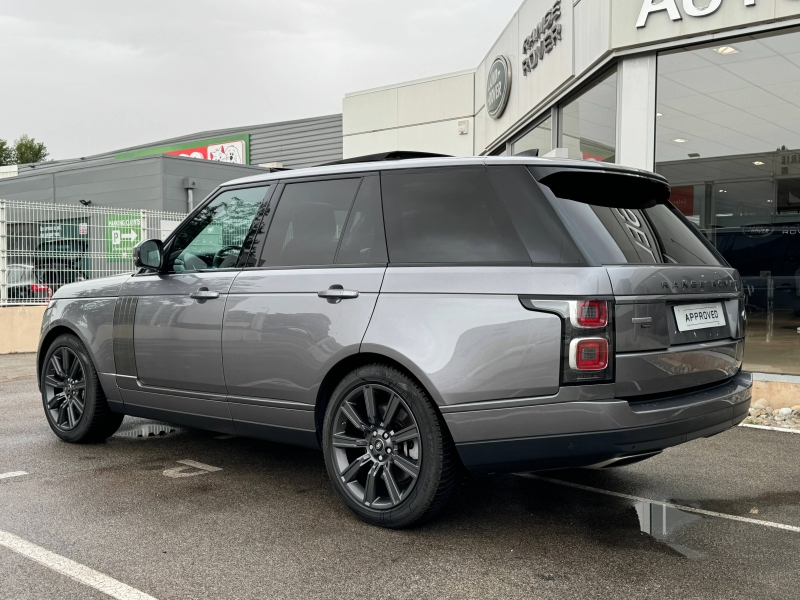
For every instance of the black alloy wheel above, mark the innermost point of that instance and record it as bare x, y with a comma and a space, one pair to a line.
74, 403
388, 454
376, 447
65, 388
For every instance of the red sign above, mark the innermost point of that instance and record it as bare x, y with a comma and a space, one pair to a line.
230, 152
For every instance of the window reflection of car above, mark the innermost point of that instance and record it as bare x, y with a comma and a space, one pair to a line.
797, 292
752, 253
59, 272
60, 262
25, 284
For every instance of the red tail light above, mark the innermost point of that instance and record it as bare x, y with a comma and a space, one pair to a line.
588, 354
39, 289
592, 314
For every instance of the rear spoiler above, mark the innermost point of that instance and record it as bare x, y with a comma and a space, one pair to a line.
604, 187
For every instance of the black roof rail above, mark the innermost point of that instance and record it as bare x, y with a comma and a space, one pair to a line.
382, 156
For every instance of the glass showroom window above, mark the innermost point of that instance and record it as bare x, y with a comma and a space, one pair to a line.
589, 122
540, 138
728, 140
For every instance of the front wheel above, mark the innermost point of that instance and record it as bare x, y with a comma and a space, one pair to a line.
74, 402
388, 454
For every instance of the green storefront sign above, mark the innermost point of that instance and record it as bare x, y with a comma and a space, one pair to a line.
123, 232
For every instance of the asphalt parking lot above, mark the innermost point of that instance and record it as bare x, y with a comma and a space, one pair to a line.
267, 523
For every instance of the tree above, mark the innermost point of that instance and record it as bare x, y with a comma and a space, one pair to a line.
6, 154
28, 150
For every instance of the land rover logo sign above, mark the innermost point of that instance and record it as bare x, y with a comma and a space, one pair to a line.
498, 86
755, 230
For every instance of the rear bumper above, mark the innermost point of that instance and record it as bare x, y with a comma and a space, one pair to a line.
577, 434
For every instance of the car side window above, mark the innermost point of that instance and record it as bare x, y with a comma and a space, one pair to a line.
364, 241
213, 238
308, 223
448, 216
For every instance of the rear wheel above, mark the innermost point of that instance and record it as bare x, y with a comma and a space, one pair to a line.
387, 453
74, 402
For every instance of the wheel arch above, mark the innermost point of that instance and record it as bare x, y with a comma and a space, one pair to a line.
48, 339
344, 366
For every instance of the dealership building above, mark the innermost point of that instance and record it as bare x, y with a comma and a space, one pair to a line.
705, 92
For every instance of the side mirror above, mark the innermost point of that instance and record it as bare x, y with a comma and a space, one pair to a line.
148, 254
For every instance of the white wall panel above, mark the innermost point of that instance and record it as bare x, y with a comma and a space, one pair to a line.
437, 100
370, 111
592, 22
370, 143
787, 8
441, 137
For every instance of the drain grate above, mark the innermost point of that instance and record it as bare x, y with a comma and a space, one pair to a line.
147, 431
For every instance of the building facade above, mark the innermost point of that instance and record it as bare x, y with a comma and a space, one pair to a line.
158, 176
706, 92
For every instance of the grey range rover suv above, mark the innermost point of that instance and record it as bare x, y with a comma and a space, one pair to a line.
413, 318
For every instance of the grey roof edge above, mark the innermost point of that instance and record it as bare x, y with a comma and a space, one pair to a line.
103, 162
186, 138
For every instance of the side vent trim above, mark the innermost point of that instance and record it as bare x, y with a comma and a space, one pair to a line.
124, 357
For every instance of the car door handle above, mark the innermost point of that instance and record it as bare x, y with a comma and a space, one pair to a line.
204, 295
336, 294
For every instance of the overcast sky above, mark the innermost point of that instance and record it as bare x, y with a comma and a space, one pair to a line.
91, 76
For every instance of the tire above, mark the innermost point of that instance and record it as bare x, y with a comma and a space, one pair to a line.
394, 473
74, 403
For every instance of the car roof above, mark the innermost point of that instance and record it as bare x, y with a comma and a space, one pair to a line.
417, 163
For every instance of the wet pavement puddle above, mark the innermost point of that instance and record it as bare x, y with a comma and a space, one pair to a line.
147, 431
666, 521
661, 522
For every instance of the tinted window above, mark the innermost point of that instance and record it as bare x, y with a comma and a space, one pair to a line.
680, 242
213, 238
642, 236
535, 220
627, 219
364, 241
308, 223
447, 216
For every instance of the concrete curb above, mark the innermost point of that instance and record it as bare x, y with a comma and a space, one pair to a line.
783, 429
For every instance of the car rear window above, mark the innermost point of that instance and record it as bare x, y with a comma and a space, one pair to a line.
448, 216
627, 219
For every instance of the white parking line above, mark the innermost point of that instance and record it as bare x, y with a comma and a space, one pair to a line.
691, 509
65, 566
199, 465
178, 472
12, 474
768, 428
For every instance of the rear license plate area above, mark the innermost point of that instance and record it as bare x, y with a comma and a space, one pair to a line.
691, 317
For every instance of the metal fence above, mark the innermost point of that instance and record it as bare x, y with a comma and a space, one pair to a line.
45, 246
